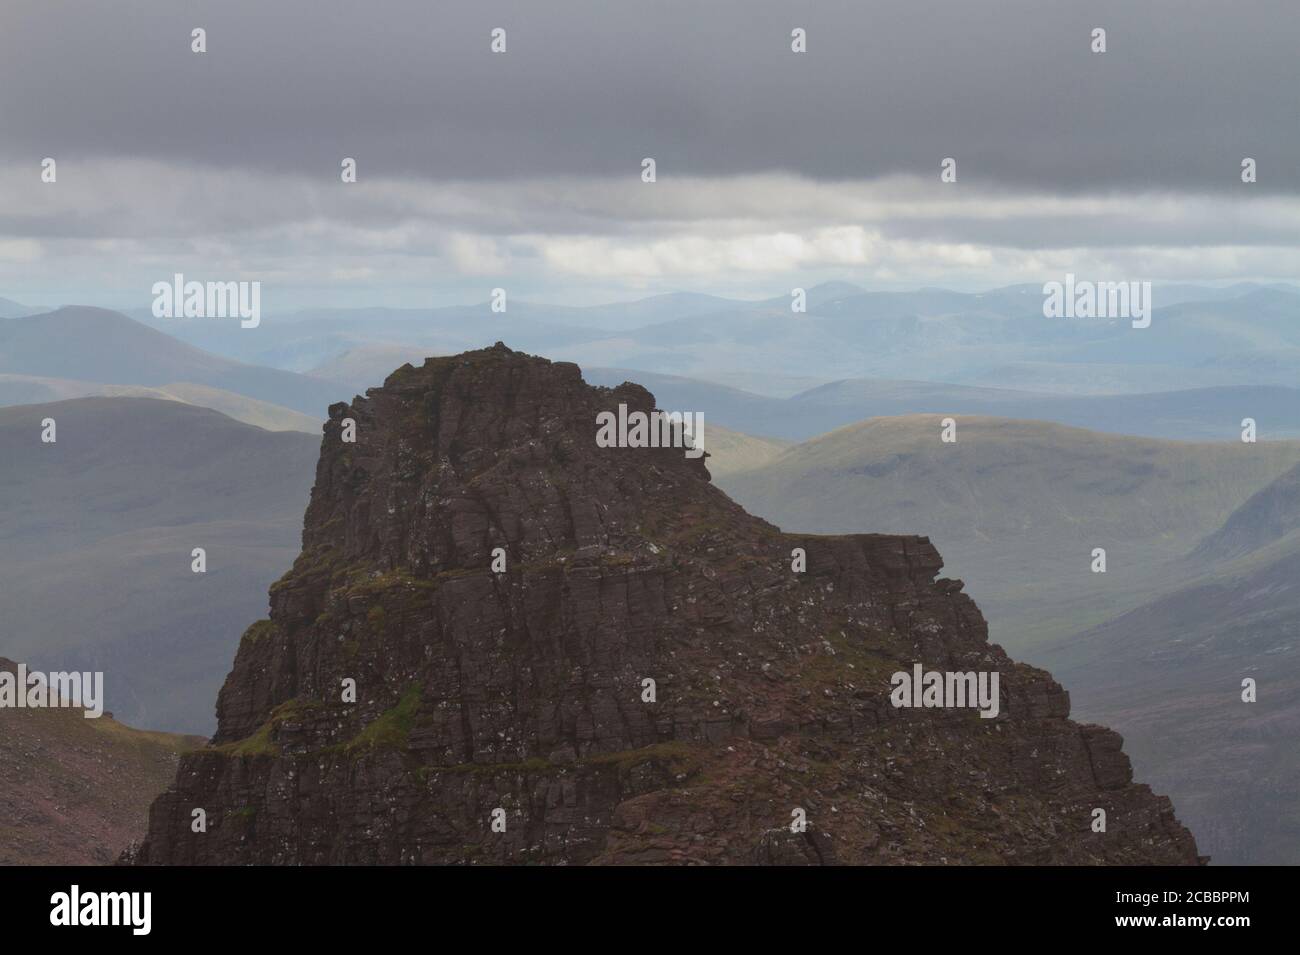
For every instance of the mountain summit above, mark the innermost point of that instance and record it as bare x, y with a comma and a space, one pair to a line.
569, 653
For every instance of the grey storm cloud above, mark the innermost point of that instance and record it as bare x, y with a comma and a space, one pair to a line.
524, 168
408, 87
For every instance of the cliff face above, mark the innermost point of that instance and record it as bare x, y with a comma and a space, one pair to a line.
522, 691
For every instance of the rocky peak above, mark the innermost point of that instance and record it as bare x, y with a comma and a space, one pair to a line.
652, 675
490, 448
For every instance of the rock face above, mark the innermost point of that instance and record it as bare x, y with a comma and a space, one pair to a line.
519, 696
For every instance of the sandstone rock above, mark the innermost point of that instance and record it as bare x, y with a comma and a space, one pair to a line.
522, 691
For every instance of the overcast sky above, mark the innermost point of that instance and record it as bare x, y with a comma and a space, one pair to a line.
523, 169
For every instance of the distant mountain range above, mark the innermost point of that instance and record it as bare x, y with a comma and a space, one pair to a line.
1205, 414
98, 345
1202, 366
1198, 338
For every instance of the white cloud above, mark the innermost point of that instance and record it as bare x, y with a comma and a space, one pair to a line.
554, 236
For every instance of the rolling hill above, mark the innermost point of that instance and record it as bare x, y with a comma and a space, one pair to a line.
731, 451
1011, 479
1016, 507
29, 390
76, 791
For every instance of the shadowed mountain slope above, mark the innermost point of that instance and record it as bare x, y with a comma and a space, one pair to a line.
1270, 515
1169, 676
97, 531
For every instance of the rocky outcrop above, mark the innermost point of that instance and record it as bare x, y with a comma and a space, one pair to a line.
505, 717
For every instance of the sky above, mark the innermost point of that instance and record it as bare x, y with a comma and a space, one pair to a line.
522, 169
